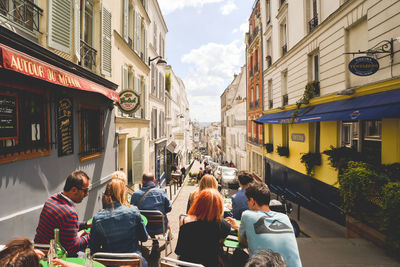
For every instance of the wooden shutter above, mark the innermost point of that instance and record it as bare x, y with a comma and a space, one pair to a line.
105, 41
135, 159
77, 29
60, 25
125, 78
126, 20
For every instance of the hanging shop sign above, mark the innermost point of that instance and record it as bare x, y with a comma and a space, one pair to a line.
298, 137
129, 101
65, 126
8, 116
364, 66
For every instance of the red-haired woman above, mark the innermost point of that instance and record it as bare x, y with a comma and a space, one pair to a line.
203, 230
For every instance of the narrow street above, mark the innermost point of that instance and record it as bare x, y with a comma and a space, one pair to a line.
325, 246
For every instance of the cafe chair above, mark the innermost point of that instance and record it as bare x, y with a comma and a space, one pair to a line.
156, 217
43, 247
118, 259
169, 262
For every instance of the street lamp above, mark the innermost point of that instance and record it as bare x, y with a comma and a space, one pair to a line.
160, 60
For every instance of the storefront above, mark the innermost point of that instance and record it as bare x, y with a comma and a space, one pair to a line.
55, 117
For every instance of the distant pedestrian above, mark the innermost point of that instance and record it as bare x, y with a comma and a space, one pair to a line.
183, 175
200, 174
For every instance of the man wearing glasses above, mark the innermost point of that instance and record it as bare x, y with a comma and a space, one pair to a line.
59, 212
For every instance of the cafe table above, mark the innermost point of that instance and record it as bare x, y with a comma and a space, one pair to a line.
80, 261
144, 219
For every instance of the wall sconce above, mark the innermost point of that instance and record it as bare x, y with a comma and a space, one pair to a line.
160, 60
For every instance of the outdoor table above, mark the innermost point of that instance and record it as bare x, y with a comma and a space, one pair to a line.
80, 261
144, 219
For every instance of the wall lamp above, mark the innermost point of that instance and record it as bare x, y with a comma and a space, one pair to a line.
160, 60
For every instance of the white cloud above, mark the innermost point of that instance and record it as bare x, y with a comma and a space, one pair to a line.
211, 69
228, 7
169, 6
243, 28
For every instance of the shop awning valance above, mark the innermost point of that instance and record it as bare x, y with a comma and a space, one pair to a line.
368, 107
14, 60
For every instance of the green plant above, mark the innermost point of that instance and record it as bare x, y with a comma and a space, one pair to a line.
339, 156
283, 151
311, 160
168, 82
269, 147
391, 207
310, 91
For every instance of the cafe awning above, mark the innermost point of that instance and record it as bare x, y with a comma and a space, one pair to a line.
368, 107
171, 146
18, 61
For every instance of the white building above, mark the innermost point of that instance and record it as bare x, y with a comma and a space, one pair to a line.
158, 138
236, 121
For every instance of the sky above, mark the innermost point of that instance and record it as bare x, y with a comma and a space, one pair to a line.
205, 47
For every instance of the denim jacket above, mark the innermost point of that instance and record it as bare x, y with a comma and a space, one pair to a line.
117, 229
157, 199
239, 203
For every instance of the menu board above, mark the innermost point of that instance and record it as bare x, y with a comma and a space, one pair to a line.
8, 116
65, 126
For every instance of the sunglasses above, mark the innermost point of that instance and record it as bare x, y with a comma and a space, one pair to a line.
85, 190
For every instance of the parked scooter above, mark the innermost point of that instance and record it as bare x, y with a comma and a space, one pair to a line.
285, 207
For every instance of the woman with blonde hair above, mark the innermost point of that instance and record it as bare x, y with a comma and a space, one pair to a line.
203, 230
119, 227
207, 181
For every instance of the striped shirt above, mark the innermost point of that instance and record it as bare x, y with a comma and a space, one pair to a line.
59, 213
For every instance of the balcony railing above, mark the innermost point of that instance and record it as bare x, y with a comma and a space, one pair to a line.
270, 103
313, 23
269, 61
284, 49
285, 100
88, 55
22, 12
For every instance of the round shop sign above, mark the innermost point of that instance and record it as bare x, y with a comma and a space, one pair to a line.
129, 101
364, 66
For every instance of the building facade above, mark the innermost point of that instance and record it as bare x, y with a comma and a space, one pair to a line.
56, 103
254, 62
315, 102
236, 121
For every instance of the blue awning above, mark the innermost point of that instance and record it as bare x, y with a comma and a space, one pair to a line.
369, 107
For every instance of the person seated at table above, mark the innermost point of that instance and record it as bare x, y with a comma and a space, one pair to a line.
151, 198
261, 228
59, 212
20, 253
202, 231
239, 200
208, 181
119, 227
200, 174
266, 258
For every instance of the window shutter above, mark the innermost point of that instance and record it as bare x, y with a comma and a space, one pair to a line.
126, 20
155, 36
153, 88
105, 41
135, 159
60, 25
135, 33
145, 45
125, 79
77, 29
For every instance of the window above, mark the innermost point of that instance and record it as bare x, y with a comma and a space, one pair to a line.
24, 125
268, 10
314, 67
88, 53
270, 101
90, 127
315, 131
23, 12
285, 135
312, 9
268, 57
153, 79
284, 81
284, 38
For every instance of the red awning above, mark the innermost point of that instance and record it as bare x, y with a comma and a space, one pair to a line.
25, 64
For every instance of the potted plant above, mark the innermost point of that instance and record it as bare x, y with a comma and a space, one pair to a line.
283, 151
269, 147
310, 91
268, 59
310, 160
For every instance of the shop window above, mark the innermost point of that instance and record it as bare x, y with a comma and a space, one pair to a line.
90, 127
24, 128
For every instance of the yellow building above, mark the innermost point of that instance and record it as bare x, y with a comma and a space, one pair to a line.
324, 41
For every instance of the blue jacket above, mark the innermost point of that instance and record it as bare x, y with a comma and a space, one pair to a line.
239, 203
117, 229
157, 199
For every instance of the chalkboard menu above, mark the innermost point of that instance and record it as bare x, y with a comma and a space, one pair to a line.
65, 126
8, 116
